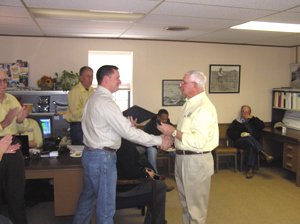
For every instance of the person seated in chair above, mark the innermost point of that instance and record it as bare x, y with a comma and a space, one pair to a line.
34, 132
151, 128
245, 131
130, 167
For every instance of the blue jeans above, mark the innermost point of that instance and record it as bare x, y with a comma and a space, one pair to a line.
99, 187
76, 133
152, 154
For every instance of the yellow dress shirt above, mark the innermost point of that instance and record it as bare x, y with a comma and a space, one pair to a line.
10, 102
198, 122
34, 132
77, 98
103, 124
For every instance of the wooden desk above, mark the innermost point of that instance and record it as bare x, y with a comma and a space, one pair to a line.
67, 174
288, 145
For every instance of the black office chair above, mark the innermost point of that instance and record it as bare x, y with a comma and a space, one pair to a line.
140, 200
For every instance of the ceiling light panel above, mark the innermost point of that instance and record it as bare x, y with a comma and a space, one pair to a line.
267, 26
135, 6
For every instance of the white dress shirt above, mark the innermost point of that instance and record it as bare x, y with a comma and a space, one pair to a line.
103, 124
198, 122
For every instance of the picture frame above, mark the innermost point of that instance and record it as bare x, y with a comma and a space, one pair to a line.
295, 76
224, 78
171, 93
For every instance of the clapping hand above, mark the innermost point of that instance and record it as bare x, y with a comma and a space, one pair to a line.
10, 116
23, 113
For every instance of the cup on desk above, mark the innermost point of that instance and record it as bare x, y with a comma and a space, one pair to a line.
30, 105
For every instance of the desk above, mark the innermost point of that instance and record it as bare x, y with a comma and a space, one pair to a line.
67, 174
288, 145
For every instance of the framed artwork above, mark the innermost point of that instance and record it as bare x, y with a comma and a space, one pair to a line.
295, 76
224, 78
171, 93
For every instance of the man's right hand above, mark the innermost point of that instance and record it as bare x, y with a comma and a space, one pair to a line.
10, 116
167, 142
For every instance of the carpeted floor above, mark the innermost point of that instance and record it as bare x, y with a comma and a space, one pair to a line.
271, 197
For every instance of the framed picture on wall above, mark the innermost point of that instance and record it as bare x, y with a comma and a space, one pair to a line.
171, 93
224, 78
295, 76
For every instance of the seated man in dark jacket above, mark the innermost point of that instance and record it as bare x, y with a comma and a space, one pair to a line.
246, 131
130, 167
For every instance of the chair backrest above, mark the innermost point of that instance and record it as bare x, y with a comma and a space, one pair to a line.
223, 139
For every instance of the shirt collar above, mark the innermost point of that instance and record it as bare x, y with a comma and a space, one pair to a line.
82, 89
105, 91
196, 98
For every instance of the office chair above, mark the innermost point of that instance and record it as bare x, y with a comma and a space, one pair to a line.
224, 149
139, 200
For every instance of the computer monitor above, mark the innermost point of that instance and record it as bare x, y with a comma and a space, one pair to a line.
46, 125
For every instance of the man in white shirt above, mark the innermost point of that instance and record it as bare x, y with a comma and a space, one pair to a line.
103, 125
196, 136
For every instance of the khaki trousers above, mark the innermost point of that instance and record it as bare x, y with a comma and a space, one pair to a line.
193, 176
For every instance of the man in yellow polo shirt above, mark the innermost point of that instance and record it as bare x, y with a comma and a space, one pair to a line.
12, 172
196, 136
77, 98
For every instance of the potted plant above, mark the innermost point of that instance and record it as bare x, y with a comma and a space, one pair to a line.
67, 80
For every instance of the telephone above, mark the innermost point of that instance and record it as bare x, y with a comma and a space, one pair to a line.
279, 125
65, 141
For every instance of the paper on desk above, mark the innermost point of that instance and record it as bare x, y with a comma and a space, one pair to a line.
75, 148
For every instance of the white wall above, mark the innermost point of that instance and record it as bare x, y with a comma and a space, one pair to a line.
262, 68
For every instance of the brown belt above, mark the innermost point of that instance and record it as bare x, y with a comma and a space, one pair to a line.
186, 152
105, 148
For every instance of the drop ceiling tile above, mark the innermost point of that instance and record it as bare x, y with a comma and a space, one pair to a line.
192, 22
20, 30
193, 10
253, 4
282, 17
238, 36
296, 9
13, 11
16, 21
11, 2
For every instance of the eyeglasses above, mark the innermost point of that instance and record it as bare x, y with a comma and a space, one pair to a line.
5, 81
245, 111
184, 83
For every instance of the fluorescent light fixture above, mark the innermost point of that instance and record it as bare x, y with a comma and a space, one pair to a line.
269, 26
85, 15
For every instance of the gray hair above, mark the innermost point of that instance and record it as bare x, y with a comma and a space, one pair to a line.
197, 77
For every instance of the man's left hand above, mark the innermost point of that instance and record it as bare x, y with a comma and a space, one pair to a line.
133, 122
166, 129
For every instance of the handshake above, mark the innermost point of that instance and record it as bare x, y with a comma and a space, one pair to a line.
167, 139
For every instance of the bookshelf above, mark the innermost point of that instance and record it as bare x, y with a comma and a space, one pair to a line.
284, 99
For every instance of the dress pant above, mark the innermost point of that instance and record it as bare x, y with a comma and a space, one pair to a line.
193, 176
76, 133
252, 147
12, 182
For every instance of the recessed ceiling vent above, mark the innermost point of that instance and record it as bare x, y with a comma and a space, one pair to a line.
176, 28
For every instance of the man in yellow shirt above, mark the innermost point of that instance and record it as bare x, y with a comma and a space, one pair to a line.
196, 136
34, 132
12, 172
77, 98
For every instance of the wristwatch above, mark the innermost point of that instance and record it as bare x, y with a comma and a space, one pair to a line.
174, 133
